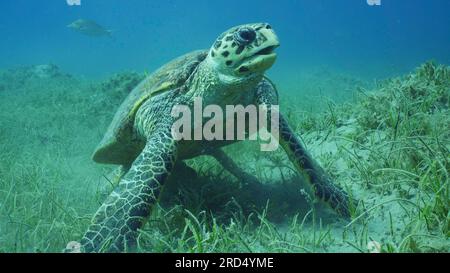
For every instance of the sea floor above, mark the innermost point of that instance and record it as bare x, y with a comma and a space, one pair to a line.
387, 145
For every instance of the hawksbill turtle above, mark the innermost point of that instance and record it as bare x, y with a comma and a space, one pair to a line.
140, 140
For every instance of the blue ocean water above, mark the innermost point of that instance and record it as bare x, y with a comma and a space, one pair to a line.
348, 35
389, 150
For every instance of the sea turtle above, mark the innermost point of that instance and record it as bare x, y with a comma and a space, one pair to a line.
141, 141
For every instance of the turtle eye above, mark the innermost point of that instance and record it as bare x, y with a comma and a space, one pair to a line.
245, 36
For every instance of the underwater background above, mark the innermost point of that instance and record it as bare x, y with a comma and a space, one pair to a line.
366, 87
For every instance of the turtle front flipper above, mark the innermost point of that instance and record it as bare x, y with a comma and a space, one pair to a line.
115, 225
321, 183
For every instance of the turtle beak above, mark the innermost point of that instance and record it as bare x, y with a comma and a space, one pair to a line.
259, 62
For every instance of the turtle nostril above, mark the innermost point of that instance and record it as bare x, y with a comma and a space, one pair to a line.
268, 26
245, 35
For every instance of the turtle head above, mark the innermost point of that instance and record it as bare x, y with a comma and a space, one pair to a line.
244, 51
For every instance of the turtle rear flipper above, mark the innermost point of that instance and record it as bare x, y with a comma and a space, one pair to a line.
115, 224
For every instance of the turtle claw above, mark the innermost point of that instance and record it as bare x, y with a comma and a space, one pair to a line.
337, 199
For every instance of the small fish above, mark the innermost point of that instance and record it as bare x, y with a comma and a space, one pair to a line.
89, 28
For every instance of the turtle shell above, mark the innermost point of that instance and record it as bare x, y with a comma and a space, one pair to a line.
118, 145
